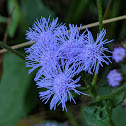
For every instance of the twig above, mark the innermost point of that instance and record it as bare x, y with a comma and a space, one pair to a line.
83, 27
12, 50
8, 25
104, 22
111, 95
99, 6
17, 46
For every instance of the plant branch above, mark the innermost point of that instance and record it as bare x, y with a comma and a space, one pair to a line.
11, 50
83, 27
109, 96
104, 22
71, 118
99, 5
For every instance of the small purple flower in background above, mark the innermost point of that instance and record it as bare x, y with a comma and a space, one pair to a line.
92, 53
114, 78
59, 82
119, 54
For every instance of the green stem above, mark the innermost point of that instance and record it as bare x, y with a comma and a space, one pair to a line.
111, 122
94, 79
71, 118
11, 50
120, 90
109, 110
99, 6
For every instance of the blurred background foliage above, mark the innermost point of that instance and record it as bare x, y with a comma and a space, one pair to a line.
19, 101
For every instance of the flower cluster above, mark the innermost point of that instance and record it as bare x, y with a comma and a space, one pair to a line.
60, 54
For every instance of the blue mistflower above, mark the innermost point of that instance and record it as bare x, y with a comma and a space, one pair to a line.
92, 52
58, 84
43, 53
44, 30
70, 40
60, 55
42, 57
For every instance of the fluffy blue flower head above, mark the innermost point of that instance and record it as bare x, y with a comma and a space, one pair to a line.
43, 53
42, 57
44, 30
59, 83
70, 40
92, 52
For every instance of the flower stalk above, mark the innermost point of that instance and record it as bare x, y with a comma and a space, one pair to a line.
99, 6
109, 96
11, 50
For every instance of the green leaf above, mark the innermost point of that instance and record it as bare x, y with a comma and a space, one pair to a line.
96, 116
103, 88
83, 5
33, 9
3, 19
16, 16
123, 32
78, 7
103, 91
123, 68
119, 116
118, 98
102, 77
114, 11
18, 94
72, 7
